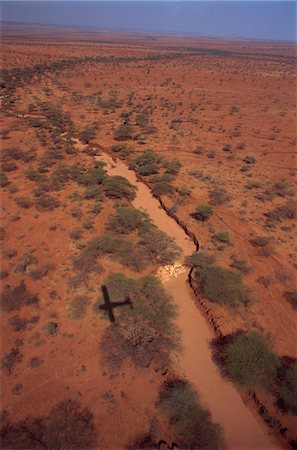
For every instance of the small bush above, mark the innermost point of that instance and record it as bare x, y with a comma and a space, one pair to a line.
221, 285
35, 362
249, 160
251, 362
203, 212
46, 203
218, 196
12, 299
51, 328
25, 262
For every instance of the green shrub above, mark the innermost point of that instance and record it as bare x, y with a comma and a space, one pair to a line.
159, 248
172, 167
119, 187
146, 163
126, 219
222, 286
189, 419
162, 188
250, 361
78, 307
203, 212
200, 260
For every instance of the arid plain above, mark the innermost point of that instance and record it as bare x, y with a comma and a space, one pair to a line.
209, 127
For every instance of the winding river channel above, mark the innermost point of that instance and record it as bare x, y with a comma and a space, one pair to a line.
242, 429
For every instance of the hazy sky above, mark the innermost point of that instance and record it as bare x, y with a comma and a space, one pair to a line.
249, 19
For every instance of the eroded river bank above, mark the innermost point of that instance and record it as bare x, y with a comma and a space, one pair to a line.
242, 429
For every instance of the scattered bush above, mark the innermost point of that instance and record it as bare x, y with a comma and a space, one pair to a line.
241, 265
10, 359
291, 297
41, 271
24, 202
46, 203
203, 212
124, 132
189, 419
223, 237
200, 260
67, 427
287, 211
251, 362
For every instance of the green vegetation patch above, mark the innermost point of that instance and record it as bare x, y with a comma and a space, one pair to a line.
189, 419
144, 334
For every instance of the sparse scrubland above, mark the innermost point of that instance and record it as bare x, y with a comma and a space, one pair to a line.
208, 127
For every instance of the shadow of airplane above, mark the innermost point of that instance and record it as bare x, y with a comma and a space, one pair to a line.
109, 306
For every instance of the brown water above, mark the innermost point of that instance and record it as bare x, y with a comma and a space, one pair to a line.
242, 429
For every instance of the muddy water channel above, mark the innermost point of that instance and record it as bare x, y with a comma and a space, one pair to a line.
242, 429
